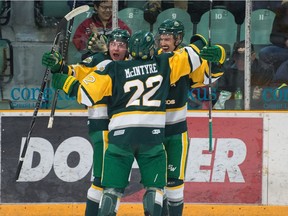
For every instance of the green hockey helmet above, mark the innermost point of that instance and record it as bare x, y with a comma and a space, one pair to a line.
119, 35
171, 26
142, 45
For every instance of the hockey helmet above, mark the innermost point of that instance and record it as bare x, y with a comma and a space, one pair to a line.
119, 35
142, 45
171, 26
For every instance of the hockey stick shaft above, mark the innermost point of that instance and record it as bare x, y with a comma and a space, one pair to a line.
210, 81
64, 54
36, 109
60, 26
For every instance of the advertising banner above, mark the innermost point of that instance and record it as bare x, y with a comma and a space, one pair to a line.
58, 162
232, 172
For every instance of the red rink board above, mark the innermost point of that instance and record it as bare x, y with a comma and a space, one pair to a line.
232, 173
248, 132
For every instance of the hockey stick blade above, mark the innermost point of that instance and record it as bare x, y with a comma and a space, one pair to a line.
50, 123
76, 12
71, 15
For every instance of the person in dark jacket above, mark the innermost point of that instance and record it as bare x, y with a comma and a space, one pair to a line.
277, 54
234, 76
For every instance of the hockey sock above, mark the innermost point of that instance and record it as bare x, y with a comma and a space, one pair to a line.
93, 198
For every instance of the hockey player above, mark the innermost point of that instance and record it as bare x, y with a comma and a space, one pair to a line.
136, 107
171, 33
97, 115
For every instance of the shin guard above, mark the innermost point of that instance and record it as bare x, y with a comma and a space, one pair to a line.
110, 202
152, 202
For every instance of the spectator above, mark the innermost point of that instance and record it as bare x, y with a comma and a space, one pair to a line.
277, 53
100, 23
233, 78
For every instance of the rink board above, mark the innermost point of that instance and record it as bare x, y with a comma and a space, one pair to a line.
246, 171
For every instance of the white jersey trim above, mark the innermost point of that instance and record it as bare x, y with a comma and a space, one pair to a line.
84, 99
101, 66
175, 116
99, 112
206, 79
194, 58
137, 120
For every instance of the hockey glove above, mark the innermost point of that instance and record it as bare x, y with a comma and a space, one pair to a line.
64, 82
214, 53
53, 61
97, 43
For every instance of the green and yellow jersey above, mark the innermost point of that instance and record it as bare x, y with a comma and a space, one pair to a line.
176, 102
138, 90
97, 114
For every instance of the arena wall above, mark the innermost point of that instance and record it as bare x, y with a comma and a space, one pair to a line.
245, 174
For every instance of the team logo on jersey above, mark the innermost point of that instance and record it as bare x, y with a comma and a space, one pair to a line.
171, 168
101, 68
118, 132
156, 131
88, 60
168, 102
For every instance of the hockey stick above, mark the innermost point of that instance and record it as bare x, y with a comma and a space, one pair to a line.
210, 81
61, 25
64, 54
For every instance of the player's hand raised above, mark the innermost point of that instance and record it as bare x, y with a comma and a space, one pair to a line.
214, 53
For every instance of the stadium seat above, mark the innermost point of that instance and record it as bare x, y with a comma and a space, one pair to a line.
178, 14
134, 18
49, 13
261, 26
74, 55
223, 28
57, 9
